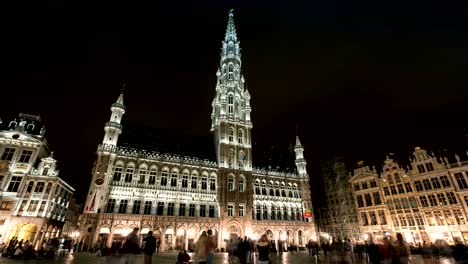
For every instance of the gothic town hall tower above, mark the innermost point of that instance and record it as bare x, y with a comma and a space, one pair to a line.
178, 197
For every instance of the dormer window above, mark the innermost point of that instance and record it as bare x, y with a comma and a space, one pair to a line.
421, 168
429, 166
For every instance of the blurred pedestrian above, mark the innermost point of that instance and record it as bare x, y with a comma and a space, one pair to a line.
150, 247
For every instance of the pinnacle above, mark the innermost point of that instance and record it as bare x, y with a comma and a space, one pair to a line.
231, 30
298, 142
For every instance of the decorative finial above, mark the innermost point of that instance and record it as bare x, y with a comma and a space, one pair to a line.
230, 31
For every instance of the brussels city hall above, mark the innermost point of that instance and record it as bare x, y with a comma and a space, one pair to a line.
177, 197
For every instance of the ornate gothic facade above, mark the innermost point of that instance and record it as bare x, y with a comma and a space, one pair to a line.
178, 197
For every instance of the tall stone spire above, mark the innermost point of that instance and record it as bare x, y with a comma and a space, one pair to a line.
231, 123
232, 100
231, 29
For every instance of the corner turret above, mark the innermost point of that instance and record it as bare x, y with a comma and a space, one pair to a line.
300, 161
113, 128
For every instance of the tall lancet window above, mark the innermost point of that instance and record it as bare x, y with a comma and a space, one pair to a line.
231, 72
240, 136
230, 104
231, 134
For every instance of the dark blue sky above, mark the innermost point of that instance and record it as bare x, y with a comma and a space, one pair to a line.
359, 78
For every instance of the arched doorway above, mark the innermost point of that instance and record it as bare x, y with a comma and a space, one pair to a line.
168, 238
181, 239
300, 238
103, 236
234, 232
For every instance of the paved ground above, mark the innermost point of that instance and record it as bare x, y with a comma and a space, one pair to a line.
170, 258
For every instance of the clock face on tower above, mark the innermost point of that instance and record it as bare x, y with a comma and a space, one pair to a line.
99, 181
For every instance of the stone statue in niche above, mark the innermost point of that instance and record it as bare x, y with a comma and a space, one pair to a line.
241, 159
230, 158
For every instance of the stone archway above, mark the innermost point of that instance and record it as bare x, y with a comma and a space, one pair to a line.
169, 239
300, 238
23, 231
181, 241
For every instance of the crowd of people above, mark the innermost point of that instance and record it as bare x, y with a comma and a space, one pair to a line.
387, 251
20, 249
245, 250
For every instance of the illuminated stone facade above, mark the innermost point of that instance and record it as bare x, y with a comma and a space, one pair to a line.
425, 203
34, 200
178, 197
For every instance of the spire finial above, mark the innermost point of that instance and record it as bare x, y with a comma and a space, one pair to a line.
231, 30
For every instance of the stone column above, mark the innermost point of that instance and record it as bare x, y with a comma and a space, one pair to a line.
94, 239
174, 238
109, 239
163, 239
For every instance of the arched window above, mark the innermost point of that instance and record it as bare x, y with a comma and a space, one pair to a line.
164, 176
193, 183
185, 179
213, 183
204, 183
142, 172
257, 187
152, 175
174, 178
230, 104
129, 173
240, 136
264, 192
241, 184
231, 183
118, 173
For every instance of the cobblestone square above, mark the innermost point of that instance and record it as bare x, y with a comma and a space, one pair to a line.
171, 257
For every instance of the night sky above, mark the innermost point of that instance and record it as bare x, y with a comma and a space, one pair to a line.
358, 79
